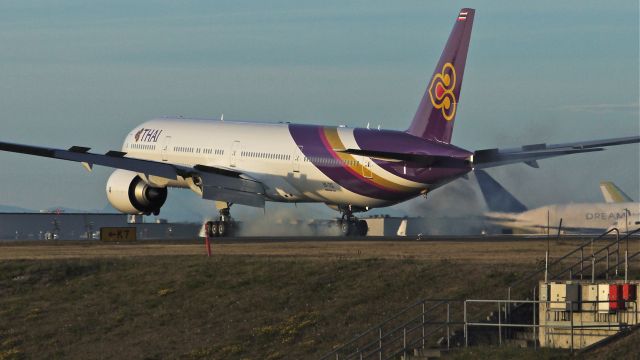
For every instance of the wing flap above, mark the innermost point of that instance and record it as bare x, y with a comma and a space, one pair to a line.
232, 196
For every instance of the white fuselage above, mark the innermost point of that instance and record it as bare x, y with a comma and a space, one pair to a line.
264, 152
575, 217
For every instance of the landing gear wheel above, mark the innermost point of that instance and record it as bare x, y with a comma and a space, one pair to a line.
345, 228
225, 226
207, 227
350, 225
222, 229
214, 229
362, 228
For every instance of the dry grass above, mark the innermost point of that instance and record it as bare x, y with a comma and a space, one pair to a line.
285, 300
221, 307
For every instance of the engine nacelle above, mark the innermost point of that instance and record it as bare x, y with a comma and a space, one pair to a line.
128, 193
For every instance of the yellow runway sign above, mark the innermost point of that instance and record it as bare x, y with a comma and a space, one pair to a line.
118, 234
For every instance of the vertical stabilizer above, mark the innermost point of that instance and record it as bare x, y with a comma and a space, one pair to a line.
437, 110
498, 199
612, 193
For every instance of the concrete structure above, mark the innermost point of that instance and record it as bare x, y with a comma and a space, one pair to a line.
576, 314
79, 226
388, 226
52, 225
383, 226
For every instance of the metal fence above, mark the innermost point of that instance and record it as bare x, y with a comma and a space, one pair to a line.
501, 324
400, 335
414, 326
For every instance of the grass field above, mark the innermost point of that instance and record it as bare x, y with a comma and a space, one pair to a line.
156, 306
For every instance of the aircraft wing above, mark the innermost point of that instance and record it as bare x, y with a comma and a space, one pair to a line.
217, 183
530, 153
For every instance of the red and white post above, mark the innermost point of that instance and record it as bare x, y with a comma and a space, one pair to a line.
207, 241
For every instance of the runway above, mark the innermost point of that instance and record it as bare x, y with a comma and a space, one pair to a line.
468, 249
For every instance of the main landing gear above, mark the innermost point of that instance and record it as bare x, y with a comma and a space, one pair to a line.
225, 225
351, 225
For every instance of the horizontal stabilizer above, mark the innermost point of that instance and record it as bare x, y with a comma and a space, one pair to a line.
421, 160
529, 153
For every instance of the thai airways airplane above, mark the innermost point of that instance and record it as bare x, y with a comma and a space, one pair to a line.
349, 169
506, 211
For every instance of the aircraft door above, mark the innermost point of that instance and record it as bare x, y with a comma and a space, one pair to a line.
296, 160
234, 154
165, 147
366, 169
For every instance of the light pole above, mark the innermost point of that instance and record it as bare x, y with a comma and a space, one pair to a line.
626, 252
627, 212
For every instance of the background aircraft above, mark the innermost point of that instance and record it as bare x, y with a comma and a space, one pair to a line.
508, 212
350, 170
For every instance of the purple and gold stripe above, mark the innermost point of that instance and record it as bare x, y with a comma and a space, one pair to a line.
317, 143
356, 167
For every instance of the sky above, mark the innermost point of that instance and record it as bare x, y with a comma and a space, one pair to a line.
85, 73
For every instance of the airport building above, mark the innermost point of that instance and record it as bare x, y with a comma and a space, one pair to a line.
83, 226
415, 226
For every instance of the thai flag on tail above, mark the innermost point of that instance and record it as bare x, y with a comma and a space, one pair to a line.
462, 16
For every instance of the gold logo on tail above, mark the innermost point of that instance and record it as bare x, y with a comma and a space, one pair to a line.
441, 91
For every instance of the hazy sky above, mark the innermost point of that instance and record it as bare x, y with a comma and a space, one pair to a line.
85, 73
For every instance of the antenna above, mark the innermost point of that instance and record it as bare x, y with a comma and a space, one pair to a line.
222, 117
367, 125
378, 126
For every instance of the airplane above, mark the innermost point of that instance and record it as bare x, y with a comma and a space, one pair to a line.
508, 212
349, 169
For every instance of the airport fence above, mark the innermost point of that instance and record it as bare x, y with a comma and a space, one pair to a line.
443, 324
411, 329
584, 261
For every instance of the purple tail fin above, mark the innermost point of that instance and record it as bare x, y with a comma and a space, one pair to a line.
437, 111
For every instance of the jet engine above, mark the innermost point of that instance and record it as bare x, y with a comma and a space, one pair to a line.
128, 193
